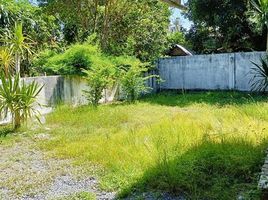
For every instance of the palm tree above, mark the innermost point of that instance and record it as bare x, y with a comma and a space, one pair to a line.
259, 15
18, 44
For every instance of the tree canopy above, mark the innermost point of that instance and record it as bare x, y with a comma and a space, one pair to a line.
222, 26
136, 28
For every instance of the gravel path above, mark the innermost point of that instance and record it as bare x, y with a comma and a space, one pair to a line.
27, 174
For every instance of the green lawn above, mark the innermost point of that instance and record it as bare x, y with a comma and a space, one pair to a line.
207, 145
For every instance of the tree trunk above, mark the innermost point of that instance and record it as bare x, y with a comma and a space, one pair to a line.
95, 16
6, 70
17, 120
17, 60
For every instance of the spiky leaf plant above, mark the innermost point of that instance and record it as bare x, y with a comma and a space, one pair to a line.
259, 81
18, 98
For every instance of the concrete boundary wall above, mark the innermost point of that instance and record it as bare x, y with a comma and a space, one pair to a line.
229, 71
60, 89
64, 89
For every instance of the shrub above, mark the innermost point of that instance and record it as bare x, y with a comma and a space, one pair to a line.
132, 77
40, 61
259, 81
99, 77
17, 98
73, 61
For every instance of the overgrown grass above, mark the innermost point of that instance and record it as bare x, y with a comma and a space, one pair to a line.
7, 133
208, 145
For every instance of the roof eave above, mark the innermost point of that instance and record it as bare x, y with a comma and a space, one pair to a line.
176, 4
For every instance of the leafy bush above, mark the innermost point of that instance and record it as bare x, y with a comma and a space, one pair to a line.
99, 78
126, 72
73, 61
41, 60
132, 77
101, 70
259, 81
176, 38
17, 99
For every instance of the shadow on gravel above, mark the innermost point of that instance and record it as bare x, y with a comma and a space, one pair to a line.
220, 170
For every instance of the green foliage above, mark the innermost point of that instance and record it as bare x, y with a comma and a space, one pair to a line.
98, 78
259, 13
177, 37
17, 98
126, 72
259, 16
225, 23
133, 78
101, 70
16, 40
6, 60
259, 81
17, 43
134, 28
73, 61
40, 61
42, 28
207, 145
149, 31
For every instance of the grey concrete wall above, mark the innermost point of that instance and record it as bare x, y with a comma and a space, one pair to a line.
59, 89
208, 72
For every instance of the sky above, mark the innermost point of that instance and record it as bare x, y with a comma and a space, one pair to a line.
176, 13
185, 23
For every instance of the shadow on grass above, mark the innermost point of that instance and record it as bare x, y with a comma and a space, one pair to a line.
6, 130
221, 98
211, 170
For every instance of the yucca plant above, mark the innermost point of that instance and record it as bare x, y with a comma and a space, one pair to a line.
259, 81
18, 99
18, 44
6, 60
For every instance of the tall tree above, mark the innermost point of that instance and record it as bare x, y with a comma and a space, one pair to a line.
123, 27
226, 24
44, 29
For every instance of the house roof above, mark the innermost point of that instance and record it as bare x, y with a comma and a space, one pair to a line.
176, 3
178, 50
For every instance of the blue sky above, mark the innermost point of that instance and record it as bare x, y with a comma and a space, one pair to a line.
176, 13
185, 23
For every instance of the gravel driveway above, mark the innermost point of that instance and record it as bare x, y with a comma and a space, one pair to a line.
28, 174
